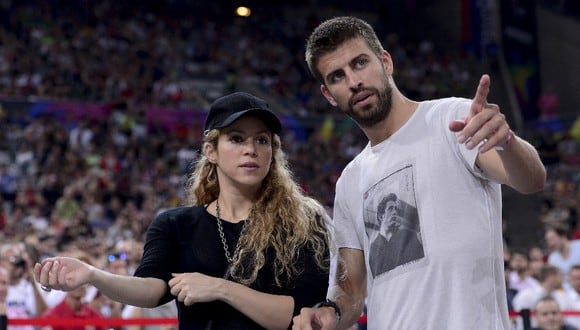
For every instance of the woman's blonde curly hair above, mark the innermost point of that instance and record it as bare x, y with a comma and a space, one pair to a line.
282, 218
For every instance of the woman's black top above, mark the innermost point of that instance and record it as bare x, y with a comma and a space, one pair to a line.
186, 240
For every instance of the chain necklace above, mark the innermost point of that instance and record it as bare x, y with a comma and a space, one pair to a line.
223, 237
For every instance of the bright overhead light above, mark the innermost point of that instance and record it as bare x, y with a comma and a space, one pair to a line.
243, 11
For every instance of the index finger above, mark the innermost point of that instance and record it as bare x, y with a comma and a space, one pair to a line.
175, 279
480, 99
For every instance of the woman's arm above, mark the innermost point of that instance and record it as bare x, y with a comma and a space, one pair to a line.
268, 310
63, 273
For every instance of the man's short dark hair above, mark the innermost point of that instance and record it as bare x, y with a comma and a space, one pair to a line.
383, 203
332, 33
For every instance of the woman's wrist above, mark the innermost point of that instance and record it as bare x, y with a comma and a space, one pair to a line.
223, 290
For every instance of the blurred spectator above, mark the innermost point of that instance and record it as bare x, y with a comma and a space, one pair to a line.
537, 260
23, 299
574, 280
510, 292
67, 207
563, 253
3, 293
547, 146
548, 315
550, 285
72, 307
8, 184
520, 278
80, 136
548, 103
573, 290
132, 249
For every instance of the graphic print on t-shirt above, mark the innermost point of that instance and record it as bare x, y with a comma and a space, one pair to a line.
392, 222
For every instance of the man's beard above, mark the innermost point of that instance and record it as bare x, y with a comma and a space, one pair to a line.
372, 114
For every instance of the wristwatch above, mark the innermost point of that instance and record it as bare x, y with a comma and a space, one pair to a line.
330, 303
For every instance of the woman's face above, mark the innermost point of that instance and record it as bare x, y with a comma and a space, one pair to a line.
244, 153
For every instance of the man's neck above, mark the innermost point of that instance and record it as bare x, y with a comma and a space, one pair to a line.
565, 250
401, 112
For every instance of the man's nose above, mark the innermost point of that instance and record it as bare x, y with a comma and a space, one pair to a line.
353, 79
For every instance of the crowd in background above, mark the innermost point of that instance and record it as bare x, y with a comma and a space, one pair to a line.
91, 187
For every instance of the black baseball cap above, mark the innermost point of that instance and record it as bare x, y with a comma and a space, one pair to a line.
229, 108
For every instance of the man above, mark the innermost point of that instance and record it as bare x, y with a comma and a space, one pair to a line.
445, 155
4, 282
549, 317
550, 281
510, 292
23, 299
564, 253
398, 234
72, 307
520, 278
573, 291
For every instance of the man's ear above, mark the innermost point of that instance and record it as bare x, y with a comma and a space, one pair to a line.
387, 62
327, 95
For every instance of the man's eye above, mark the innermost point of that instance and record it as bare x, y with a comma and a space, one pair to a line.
336, 77
361, 62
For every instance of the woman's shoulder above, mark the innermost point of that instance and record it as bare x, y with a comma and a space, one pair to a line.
180, 214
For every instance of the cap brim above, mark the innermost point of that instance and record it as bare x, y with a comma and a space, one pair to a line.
266, 116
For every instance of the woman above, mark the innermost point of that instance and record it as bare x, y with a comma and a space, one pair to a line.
249, 252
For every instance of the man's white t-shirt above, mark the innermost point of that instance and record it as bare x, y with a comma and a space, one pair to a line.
445, 270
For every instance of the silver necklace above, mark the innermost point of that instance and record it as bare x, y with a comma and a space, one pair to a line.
223, 237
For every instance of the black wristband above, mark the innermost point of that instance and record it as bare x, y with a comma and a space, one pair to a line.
330, 303
3, 322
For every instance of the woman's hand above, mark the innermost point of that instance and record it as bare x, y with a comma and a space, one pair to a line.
62, 273
191, 288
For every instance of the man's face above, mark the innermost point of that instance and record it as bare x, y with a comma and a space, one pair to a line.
14, 263
74, 298
4, 283
357, 81
391, 212
548, 315
519, 263
574, 279
553, 241
389, 218
557, 280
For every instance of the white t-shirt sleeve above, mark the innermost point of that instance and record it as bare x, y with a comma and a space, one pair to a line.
343, 219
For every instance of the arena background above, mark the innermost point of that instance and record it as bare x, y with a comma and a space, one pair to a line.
141, 74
